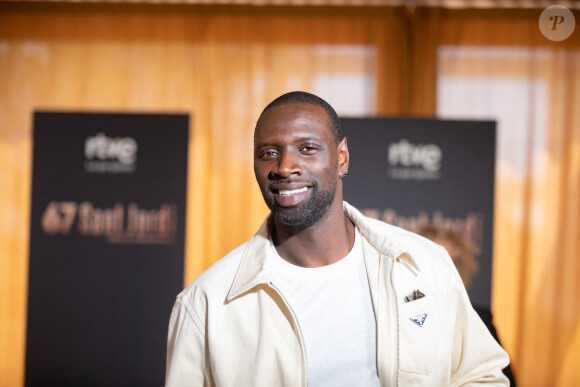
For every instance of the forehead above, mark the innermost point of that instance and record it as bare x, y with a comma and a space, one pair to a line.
293, 120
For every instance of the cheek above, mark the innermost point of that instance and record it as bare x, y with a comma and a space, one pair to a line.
328, 170
261, 175
326, 176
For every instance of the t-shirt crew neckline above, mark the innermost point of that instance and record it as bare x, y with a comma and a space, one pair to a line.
322, 273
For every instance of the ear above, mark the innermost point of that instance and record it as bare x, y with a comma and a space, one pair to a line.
343, 157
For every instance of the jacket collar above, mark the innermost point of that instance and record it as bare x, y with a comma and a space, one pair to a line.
256, 263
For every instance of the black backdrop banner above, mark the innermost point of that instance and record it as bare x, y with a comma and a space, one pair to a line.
419, 174
107, 238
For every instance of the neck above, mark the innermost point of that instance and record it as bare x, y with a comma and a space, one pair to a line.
324, 243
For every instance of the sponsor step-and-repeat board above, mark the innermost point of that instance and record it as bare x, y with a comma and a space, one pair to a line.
107, 238
433, 177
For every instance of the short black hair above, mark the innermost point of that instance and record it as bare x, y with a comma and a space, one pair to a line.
310, 99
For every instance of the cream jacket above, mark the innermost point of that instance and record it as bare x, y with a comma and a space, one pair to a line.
233, 327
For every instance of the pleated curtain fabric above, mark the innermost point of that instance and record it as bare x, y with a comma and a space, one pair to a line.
223, 63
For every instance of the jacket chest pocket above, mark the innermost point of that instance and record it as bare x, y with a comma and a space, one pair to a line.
420, 336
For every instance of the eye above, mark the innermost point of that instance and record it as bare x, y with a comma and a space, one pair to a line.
308, 149
267, 155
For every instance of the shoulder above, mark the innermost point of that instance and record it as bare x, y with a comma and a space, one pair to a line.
395, 241
405, 238
430, 258
424, 260
425, 251
216, 280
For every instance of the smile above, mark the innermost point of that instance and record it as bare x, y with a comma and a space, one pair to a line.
292, 192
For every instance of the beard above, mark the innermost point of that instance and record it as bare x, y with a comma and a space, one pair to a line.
305, 213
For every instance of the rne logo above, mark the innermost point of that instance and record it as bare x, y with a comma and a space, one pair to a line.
102, 147
404, 153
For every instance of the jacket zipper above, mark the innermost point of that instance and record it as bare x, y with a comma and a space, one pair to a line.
300, 338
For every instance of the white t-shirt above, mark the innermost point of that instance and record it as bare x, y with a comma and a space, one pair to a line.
335, 313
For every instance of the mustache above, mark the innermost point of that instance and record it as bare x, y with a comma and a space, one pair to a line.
288, 181
291, 181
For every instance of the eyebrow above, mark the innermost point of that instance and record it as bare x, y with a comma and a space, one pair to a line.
296, 141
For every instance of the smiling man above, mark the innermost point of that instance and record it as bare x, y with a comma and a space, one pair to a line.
321, 295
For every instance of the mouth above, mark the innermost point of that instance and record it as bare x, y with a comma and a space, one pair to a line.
290, 196
291, 191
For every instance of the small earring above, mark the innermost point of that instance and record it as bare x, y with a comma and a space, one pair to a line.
344, 174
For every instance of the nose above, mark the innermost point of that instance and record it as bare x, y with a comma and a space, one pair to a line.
288, 165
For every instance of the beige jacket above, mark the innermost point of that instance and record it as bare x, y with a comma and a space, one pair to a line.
232, 327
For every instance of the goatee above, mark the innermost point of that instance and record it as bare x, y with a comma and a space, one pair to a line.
305, 213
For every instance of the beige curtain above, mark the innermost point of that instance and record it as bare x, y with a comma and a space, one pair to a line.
222, 64
497, 65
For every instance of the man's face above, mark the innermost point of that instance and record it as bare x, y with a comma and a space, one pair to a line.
296, 162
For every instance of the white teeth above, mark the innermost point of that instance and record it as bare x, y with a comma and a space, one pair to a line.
292, 192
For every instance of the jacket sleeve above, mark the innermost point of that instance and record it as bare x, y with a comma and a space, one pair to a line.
187, 363
476, 357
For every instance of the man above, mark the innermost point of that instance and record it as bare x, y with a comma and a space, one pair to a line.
321, 295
